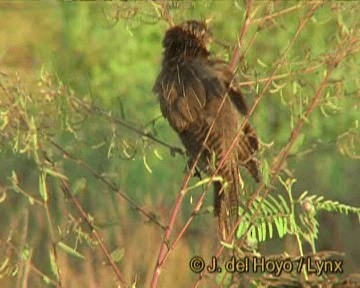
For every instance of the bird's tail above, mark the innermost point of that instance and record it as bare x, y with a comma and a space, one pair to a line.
248, 146
226, 200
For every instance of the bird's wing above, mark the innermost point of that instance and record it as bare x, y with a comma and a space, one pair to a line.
249, 143
224, 73
184, 93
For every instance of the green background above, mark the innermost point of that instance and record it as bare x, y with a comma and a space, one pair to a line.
110, 54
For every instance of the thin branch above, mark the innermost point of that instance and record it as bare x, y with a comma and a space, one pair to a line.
92, 108
66, 188
277, 14
33, 268
164, 12
164, 246
236, 55
263, 19
281, 76
149, 215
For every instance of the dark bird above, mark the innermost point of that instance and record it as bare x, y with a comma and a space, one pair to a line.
191, 88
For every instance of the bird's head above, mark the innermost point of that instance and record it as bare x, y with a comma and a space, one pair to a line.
198, 30
190, 38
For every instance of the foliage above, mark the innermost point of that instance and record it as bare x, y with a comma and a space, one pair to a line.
91, 169
285, 216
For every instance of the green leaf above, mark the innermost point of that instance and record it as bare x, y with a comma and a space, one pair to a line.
262, 63
53, 265
284, 204
157, 154
3, 196
285, 225
42, 186
303, 195
279, 222
270, 228
55, 173
252, 234
263, 231
4, 264
298, 143
79, 186
118, 254
243, 226
271, 206
276, 203
266, 173
146, 165
69, 250
260, 233
204, 181
46, 279
227, 245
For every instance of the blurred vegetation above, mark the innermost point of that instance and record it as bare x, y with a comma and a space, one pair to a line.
74, 77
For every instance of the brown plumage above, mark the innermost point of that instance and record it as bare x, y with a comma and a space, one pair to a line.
191, 87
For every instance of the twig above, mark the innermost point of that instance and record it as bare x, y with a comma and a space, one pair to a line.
36, 270
262, 20
281, 76
66, 188
112, 186
236, 55
164, 246
92, 108
277, 14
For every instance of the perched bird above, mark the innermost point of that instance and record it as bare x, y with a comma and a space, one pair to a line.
191, 88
